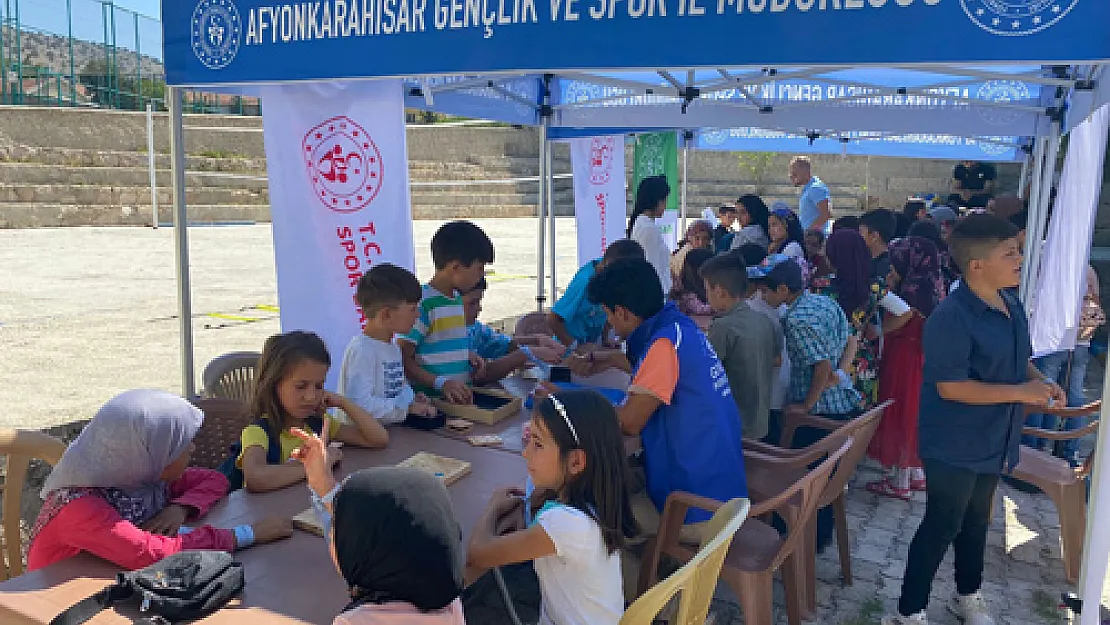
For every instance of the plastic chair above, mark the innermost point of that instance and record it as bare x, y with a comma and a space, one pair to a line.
765, 480
697, 580
224, 420
1066, 486
231, 376
18, 447
757, 549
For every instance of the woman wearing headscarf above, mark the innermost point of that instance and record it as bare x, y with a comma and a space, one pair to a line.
787, 236
123, 489
651, 201
752, 215
861, 297
393, 538
915, 276
699, 236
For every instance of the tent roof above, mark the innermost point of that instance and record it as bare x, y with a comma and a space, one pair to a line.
210, 42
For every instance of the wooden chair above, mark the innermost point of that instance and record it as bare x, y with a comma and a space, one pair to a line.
1066, 486
231, 376
224, 420
697, 580
18, 447
757, 550
532, 324
766, 480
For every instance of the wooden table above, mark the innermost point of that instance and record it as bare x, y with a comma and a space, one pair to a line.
511, 428
288, 582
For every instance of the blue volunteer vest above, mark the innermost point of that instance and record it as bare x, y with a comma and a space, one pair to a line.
694, 443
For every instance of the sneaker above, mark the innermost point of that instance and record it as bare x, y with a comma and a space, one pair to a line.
898, 619
971, 609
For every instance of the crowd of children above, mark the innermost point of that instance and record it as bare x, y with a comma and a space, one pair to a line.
799, 326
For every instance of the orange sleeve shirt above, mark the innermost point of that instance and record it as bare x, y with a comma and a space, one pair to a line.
657, 374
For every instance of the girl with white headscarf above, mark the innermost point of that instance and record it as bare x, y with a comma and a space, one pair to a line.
123, 489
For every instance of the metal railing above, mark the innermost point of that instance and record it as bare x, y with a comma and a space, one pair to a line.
91, 53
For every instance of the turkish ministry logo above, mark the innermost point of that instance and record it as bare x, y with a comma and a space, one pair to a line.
215, 33
1016, 18
343, 163
1002, 92
714, 137
601, 159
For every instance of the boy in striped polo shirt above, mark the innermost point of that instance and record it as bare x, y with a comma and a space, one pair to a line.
436, 351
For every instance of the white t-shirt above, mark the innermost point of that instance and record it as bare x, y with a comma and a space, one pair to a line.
373, 376
650, 237
581, 584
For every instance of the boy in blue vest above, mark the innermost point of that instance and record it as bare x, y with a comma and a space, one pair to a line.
679, 402
978, 378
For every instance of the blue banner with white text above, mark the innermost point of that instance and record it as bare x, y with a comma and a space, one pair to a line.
210, 42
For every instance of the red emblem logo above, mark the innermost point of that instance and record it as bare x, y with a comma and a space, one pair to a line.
601, 159
344, 164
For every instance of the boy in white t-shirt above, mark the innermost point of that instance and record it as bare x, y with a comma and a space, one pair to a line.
373, 371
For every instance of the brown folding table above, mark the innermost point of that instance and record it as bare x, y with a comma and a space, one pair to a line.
291, 581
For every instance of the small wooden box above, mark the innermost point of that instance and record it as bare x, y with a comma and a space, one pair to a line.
482, 411
450, 470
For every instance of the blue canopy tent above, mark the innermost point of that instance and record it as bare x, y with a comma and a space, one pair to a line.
986, 68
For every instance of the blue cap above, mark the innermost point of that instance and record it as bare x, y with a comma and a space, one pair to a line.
760, 271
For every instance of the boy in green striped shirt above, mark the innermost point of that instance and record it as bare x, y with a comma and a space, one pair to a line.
436, 351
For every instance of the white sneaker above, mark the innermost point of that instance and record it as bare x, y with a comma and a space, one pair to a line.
971, 609
898, 619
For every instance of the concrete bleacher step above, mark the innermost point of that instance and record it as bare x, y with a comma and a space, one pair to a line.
87, 157
33, 215
92, 195
40, 173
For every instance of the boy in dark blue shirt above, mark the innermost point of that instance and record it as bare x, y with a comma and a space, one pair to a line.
978, 377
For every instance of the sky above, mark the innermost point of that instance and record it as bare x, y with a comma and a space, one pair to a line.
146, 7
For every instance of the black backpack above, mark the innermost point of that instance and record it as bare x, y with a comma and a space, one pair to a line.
182, 587
229, 466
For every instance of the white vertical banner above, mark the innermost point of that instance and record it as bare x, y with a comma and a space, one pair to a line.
1060, 283
599, 193
668, 223
339, 199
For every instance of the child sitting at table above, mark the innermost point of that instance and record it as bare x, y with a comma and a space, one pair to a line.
436, 353
373, 374
576, 321
689, 290
122, 490
493, 346
576, 460
290, 393
393, 538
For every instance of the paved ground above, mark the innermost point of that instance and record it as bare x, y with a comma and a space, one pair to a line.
87, 312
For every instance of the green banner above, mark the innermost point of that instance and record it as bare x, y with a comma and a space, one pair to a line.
657, 153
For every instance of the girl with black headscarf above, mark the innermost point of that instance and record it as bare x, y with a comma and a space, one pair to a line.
394, 539
752, 216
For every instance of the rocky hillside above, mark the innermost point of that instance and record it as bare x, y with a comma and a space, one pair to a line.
51, 52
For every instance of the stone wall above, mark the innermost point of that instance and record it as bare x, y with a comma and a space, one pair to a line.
72, 167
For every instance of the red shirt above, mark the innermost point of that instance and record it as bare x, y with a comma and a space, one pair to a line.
91, 524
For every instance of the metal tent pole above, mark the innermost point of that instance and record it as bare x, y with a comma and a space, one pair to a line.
181, 240
1036, 228
1038, 167
541, 211
685, 178
552, 248
152, 164
1024, 176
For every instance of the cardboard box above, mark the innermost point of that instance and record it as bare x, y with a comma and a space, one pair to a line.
478, 413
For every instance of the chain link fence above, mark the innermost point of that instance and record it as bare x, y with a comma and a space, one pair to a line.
91, 53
